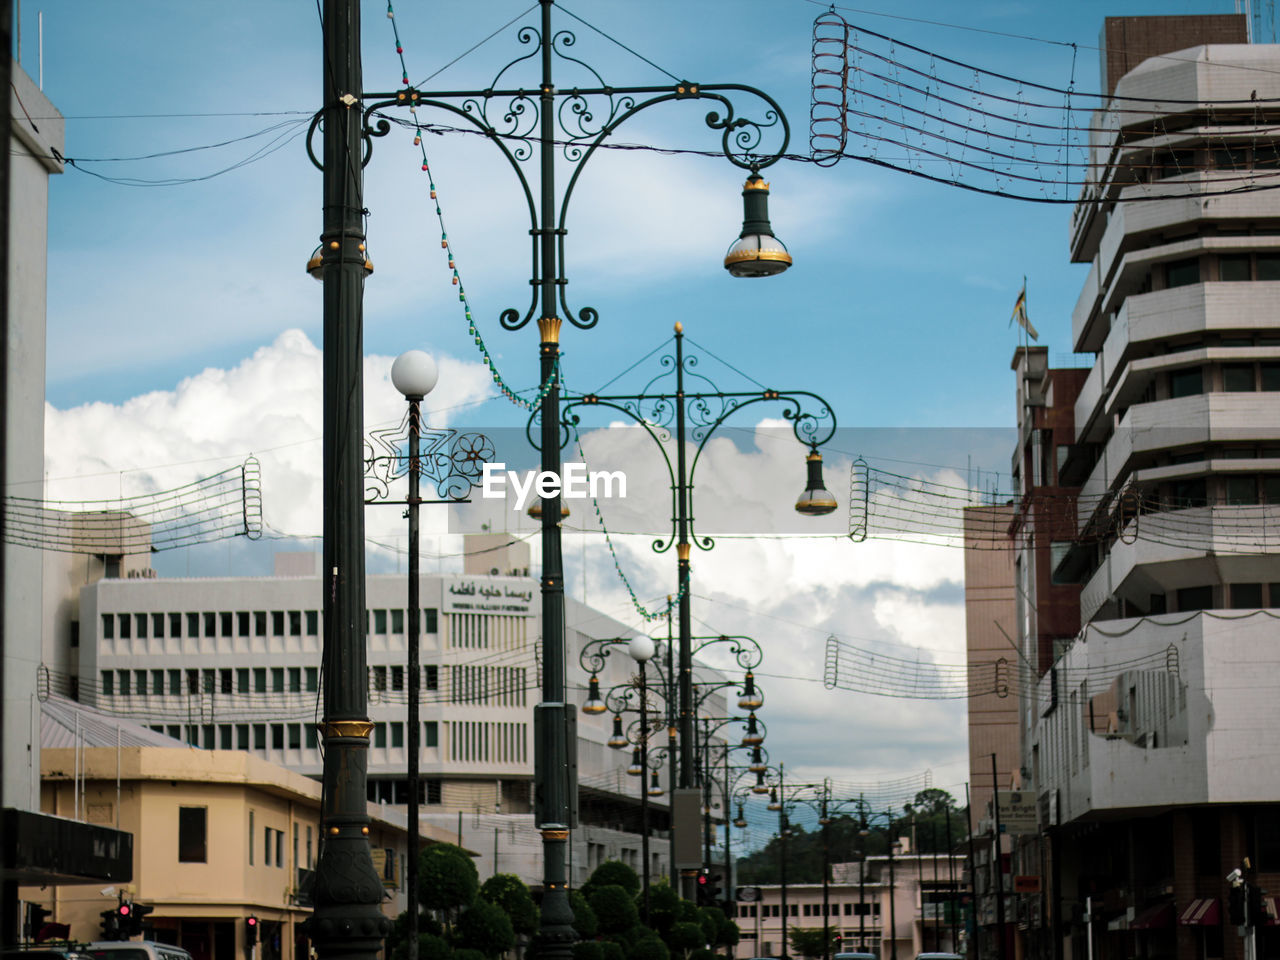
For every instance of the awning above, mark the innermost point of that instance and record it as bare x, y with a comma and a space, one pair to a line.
1201, 913
1154, 918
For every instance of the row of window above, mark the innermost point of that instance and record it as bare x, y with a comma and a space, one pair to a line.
499, 686
864, 909
246, 680
1227, 596
478, 741
1233, 377
1176, 163
193, 840
282, 736
249, 623
382, 790
1231, 268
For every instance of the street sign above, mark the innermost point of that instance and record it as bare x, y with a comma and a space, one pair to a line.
1018, 812
748, 894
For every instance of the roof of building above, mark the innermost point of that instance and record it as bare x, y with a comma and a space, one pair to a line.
65, 723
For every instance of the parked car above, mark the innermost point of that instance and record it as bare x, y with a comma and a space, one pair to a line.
44, 951
937, 956
855, 956
133, 950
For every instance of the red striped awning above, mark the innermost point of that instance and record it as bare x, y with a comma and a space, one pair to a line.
1204, 912
1154, 918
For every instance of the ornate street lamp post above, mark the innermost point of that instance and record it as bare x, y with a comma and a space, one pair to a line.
522, 123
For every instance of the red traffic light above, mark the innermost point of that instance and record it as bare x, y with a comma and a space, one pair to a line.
124, 909
252, 921
702, 879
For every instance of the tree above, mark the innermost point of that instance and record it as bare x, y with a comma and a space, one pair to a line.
615, 873
613, 951
649, 948
932, 801
508, 891
485, 927
447, 879
584, 918
808, 941
687, 936
614, 907
664, 907
588, 950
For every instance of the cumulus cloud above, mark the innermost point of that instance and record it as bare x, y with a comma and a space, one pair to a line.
788, 581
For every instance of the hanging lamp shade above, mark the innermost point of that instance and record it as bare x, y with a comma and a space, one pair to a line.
815, 501
655, 788
618, 739
751, 698
635, 769
752, 736
760, 787
756, 252
740, 821
773, 800
757, 761
594, 704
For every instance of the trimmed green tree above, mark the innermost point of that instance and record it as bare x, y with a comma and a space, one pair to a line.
485, 927
614, 907
613, 873
584, 918
508, 891
649, 948
447, 880
808, 941
588, 950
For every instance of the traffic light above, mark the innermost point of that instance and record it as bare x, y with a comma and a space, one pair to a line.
35, 920
704, 884
250, 930
139, 913
110, 924
713, 888
1257, 914
1235, 905
124, 920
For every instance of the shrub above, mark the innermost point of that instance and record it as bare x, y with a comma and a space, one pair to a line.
614, 908
584, 918
447, 878
485, 928
508, 892
649, 948
588, 950
687, 936
613, 873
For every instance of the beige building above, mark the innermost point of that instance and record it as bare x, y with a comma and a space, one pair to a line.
893, 914
219, 836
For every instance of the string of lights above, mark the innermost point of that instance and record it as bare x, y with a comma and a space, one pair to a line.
967, 126
504, 388
227, 504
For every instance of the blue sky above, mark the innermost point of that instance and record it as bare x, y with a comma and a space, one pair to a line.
173, 305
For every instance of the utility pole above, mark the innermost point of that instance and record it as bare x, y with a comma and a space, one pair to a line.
997, 858
348, 923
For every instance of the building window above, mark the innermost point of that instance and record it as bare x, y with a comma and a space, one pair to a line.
431, 624
397, 735
157, 682
210, 623
157, 625
277, 736
108, 626
313, 623
124, 682
313, 679
266, 846
397, 621
175, 625
1195, 598
295, 736
192, 838
379, 678
277, 679
1233, 267
308, 847
242, 680
433, 791
251, 838
108, 683
312, 737
277, 623
295, 679
1241, 490
1237, 377
1268, 266
1181, 273
379, 621
242, 623
379, 734
259, 679
279, 848
126, 624
193, 682
227, 619
224, 681
259, 736
206, 736
175, 683
431, 734
1189, 493
1246, 596
1186, 383
397, 678
193, 624
432, 678
295, 623
224, 737
242, 736
259, 623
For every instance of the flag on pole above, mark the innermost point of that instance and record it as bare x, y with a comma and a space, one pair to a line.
1020, 312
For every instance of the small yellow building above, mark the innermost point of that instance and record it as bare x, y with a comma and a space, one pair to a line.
219, 836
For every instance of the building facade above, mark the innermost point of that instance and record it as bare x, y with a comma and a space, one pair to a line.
1147, 732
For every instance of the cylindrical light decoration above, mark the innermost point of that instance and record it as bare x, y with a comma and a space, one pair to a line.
594, 704
655, 788
751, 698
618, 740
815, 501
756, 252
760, 787
773, 800
635, 769
752, 737
757, 761
740, 821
